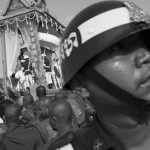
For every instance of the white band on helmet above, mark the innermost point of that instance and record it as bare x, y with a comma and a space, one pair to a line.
104, 22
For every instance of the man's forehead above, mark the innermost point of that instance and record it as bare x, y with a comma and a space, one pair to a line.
129, 42
118, 48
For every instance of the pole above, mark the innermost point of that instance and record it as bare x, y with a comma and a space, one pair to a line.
2, 33
40, 67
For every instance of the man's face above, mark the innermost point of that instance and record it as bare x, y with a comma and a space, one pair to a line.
43, 111
127, 65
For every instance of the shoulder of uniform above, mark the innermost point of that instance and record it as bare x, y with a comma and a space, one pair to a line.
74, 141
62, 142
86, 138
67, 147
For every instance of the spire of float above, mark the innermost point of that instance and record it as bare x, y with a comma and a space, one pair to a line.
33, 48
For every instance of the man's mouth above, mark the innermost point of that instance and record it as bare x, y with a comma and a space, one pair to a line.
145, 82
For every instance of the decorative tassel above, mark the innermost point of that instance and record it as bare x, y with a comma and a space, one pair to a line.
56, 26
51, 22
7, 26
17, 23
41, 19
30, 23
37, 18
46, 22
26, 19
42, 23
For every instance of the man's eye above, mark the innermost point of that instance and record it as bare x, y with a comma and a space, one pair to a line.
141, 43
116, 48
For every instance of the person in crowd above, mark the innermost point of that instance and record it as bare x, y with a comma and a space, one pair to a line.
44, 104
56, 71
28, 100
48, 70
42, 118
41, 91
18, 78
77, 103
21, 56
3, 104
111, 60
17, 136
2, 94
28, 71
60, 118
27, 108
60, 96
3, 127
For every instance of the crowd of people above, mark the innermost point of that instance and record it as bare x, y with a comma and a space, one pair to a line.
105, 100
32, 124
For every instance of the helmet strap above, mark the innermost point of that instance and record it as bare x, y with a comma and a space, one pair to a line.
115, 91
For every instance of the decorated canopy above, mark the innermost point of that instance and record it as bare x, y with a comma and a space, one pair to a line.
24, 10
27, 23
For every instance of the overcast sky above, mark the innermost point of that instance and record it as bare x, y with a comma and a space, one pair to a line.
64, 10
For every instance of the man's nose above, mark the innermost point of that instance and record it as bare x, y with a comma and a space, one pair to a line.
142, 57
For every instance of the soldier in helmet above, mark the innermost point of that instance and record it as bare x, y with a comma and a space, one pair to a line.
106, 50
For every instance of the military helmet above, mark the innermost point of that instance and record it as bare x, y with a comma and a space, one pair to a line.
96, 28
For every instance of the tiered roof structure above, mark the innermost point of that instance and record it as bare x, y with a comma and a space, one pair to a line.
23, 10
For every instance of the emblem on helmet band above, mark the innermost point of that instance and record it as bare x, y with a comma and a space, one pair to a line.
68, 45
136, 13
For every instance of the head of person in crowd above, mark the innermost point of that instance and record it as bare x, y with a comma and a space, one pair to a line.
41, 91
12, 113
3, 105
2, 96
28, 101
110, 58
59, 96
18, 136
27, 109
43, 107
60, 116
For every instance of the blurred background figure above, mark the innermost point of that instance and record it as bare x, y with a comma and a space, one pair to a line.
28, 71
41, 91
3, 105
17, 136
27, 109
60, 116
42, 117
48, 70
